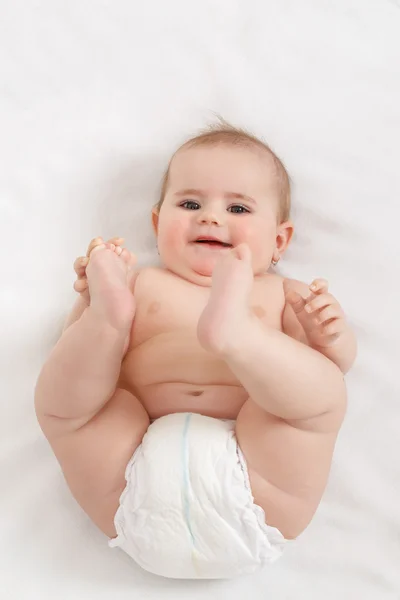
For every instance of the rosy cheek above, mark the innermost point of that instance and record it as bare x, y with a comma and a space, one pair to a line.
242, 231
254, 234
171, 233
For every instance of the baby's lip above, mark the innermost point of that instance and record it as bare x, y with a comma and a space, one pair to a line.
210, 239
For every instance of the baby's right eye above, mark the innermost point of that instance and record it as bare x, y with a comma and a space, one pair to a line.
190, 205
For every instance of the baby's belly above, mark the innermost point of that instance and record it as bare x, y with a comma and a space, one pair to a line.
219, 401
172, 373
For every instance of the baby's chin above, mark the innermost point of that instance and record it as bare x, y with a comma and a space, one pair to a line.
198, 276
203, 267
199, 273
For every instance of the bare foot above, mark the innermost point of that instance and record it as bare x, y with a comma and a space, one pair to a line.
110, 288
115, 243
224, 318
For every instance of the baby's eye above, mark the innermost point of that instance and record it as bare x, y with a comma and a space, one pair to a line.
238, 208
190, 205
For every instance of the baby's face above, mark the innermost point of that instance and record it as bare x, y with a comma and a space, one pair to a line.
221, 193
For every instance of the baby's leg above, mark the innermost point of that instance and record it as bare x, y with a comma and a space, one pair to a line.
82, 371
288, 463
288, 427
92, 427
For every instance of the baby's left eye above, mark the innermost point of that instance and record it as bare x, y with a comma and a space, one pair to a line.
238, 208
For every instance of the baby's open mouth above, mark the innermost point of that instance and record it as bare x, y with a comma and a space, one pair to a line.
213, 242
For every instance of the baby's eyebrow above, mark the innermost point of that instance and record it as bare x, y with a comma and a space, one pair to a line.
237, 196
229, 195
190, 192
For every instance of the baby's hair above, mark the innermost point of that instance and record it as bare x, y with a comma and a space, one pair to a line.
223, 132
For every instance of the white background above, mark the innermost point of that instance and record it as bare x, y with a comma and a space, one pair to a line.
94, 97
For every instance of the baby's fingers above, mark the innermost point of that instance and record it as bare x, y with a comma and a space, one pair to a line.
296, 301
318, 302
334, 311
80, 285
334, 328
80, 266
319, 286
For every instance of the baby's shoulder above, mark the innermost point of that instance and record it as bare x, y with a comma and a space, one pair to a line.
271, 285
269, 281
275, 280
268, 291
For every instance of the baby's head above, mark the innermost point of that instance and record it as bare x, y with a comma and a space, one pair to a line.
223, 185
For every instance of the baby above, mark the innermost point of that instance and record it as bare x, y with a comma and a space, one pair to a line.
194, 408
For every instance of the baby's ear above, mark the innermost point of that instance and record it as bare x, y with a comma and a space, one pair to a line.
154, 219
284, 235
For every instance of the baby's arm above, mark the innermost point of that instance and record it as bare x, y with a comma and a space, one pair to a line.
314, 316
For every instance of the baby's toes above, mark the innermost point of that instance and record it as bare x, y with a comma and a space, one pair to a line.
95, 243
96, 249
107, 246
118, 241
128, 257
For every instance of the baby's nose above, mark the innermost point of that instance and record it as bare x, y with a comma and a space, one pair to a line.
211, 217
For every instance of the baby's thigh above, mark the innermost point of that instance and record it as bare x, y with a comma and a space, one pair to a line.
94, 458
288, 467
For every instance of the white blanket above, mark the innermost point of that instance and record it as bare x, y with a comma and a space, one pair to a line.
94, 97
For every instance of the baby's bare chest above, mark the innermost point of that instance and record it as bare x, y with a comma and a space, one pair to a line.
167, 303
165, 366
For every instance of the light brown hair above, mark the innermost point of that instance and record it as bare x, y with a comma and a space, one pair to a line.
224, 133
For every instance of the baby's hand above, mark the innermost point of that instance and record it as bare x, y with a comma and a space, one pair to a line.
320, 314
81, 283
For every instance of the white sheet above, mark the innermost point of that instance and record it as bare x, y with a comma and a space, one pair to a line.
94, 96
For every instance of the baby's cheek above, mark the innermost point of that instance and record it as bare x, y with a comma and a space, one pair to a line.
171, 234
258, 239
246, 233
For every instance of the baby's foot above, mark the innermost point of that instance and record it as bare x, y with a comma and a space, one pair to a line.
81, 283
224, 319
110, 291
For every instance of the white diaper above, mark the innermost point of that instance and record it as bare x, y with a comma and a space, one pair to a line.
187, 510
